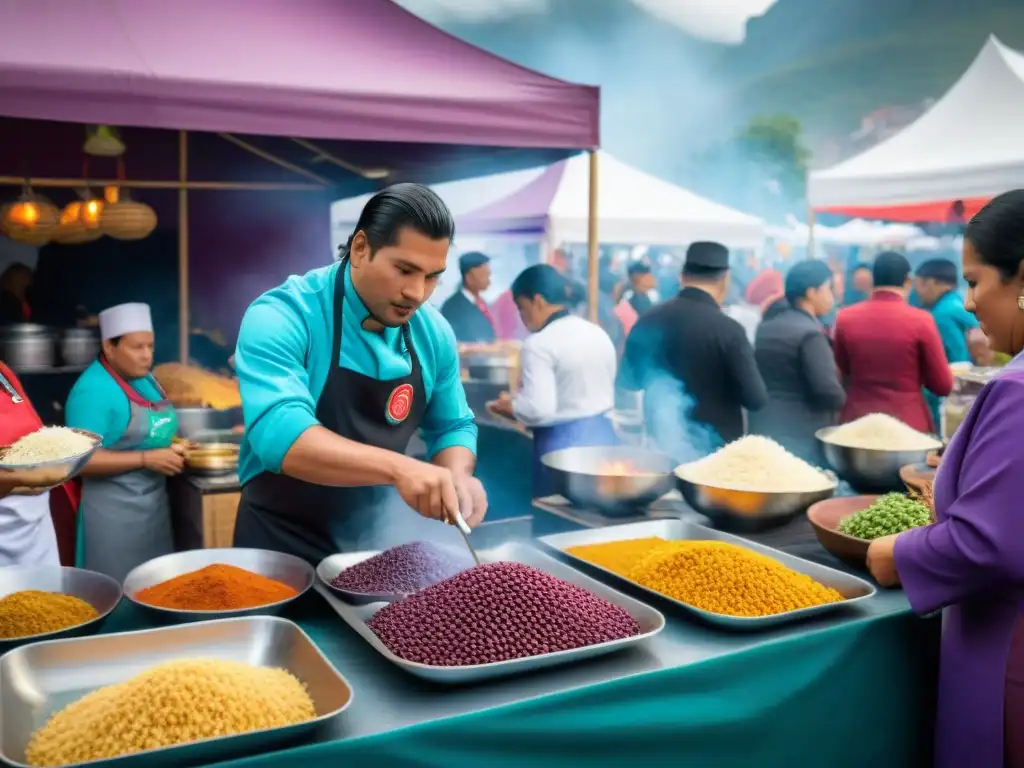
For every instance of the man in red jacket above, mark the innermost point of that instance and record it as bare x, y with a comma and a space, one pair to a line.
888, 351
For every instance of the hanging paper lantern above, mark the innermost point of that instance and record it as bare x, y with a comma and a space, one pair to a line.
128, 219
91, 212
111, 194
32, 219
71, 230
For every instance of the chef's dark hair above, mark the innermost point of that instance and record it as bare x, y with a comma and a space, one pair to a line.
890, 270
942, 271
997, 233
805, 275
547, 282
399, 206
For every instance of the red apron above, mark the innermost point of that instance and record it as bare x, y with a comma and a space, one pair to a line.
18, 419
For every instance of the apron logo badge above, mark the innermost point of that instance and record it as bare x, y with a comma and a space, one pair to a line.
399, 404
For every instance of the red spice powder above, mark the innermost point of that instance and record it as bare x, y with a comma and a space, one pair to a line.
216, 587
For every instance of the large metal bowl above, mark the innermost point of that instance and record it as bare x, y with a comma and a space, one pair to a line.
869, 470
100, 591
48, 474
581, 476
194, 422
745, 510
288, 569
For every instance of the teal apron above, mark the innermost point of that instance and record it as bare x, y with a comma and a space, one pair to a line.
125, 520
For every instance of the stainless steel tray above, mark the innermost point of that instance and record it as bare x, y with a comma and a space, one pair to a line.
650, 620
330, 567
288, 569
855, 590
40, 679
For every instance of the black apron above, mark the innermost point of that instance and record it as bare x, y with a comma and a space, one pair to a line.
280, 513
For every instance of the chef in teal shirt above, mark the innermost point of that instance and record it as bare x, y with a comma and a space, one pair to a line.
124, 518
338, 369
935, 282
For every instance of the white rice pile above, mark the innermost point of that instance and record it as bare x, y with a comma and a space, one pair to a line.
756, 463
880, 432
46, 444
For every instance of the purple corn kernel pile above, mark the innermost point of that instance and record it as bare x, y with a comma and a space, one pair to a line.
496, 612
402, 570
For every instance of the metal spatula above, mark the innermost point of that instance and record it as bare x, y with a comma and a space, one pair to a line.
465, 530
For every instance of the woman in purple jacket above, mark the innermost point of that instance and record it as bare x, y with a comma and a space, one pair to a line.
970, 563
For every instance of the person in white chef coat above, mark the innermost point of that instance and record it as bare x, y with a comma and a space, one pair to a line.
27, 534
568, 367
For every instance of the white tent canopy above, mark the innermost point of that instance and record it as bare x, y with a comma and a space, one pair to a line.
634, 207
460, 196
970, 144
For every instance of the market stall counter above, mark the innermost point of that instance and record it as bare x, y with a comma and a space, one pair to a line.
851, 689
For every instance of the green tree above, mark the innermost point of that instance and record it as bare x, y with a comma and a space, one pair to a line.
774, 145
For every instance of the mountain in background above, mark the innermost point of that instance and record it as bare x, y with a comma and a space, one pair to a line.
829, 63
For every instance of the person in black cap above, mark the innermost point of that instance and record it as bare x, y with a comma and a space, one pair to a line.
694, 362
642, 293
466, 309
797, 364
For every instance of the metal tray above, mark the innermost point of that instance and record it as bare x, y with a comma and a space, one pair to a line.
651, 622
280, 566
40, 679
330, 567
99, 590
855, 590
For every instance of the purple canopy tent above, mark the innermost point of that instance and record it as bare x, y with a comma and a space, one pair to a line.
330, 75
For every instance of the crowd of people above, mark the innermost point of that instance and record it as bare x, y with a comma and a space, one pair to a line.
339, 367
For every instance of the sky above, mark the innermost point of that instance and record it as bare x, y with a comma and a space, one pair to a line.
722, 21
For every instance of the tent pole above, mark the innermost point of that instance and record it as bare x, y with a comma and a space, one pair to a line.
810, 231
592, 244
272, 158
183, 308
239, 186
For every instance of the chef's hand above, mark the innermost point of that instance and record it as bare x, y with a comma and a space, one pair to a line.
6, 488
166, 461
472, 499
427, 488
882, 561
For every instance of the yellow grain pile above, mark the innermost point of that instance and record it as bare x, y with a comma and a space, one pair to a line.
46, 444
617, 556
712, 575
724, 578
172, 703
31, 612
187, 385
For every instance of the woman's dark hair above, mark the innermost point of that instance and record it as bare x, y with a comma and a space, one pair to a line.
547, 282
399, 206
805, 275
997, 233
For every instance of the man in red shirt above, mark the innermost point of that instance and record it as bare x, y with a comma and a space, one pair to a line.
887, 351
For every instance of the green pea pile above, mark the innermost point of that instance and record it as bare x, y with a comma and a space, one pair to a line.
892, 513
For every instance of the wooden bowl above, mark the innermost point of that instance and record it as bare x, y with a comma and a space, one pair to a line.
825, 517
917, 476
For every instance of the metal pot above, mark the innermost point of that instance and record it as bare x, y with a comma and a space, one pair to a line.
493, 369
79, 346
194, 422
28, 347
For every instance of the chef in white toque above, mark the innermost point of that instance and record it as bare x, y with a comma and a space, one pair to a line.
124, 518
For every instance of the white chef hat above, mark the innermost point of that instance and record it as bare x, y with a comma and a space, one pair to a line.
125, 318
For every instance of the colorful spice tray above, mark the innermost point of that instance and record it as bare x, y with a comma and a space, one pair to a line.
651, 622
287, 569
854, 589
40, 679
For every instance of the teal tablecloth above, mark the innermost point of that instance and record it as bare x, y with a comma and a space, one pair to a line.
860, 693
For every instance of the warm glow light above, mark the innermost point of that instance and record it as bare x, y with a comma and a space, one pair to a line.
90, 213
111, 194
71, 213
25, 214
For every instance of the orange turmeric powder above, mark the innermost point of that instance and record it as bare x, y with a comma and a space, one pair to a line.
216, 587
